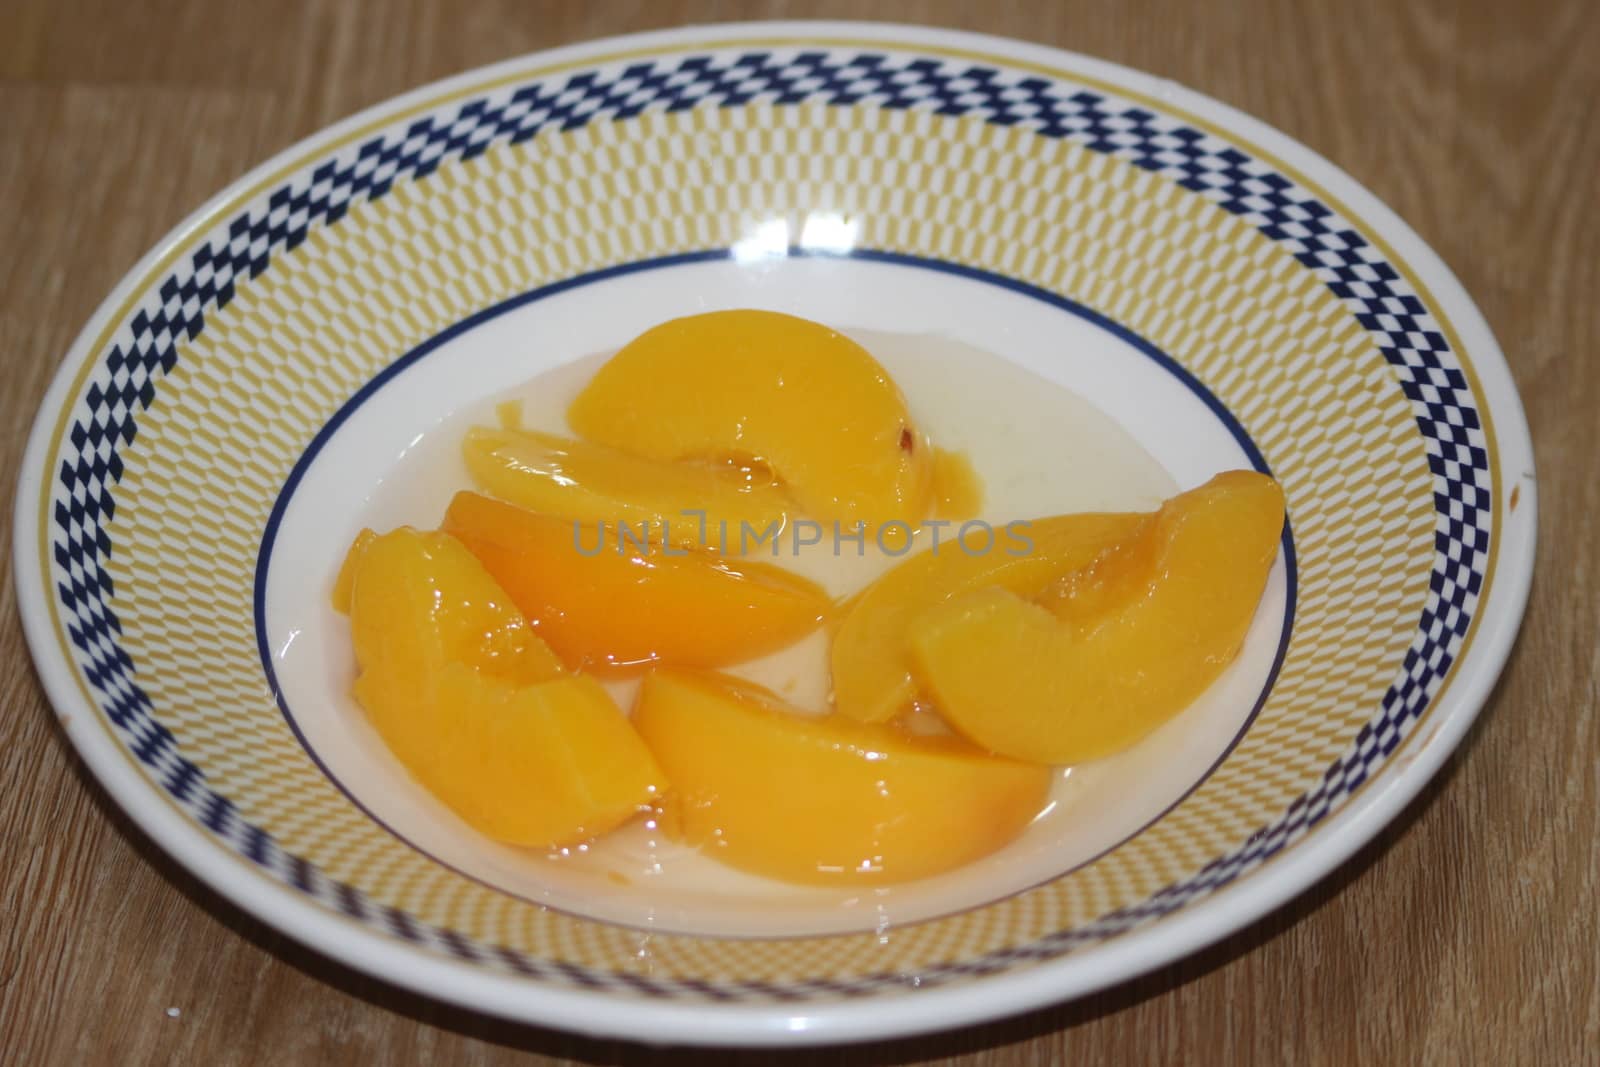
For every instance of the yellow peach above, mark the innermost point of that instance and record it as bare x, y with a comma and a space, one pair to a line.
418, 600
805, 400
769, 790
601, 602
683, 503
477, 708
871, 657
1113, 651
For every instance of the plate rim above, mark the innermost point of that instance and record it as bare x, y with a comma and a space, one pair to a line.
1193, 927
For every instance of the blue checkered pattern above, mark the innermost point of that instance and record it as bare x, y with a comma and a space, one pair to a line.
145, 349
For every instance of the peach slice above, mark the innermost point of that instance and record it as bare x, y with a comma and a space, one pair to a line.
810, 403
1112, 651
775, 792
871, 656
340, 595
681, 503
419, 600
477, 708
601, 602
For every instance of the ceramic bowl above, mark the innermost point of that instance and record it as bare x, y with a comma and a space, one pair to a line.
241, 403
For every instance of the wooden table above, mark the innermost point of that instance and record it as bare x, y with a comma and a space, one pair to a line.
1466, 933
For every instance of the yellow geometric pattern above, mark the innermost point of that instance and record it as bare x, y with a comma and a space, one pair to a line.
1256, 327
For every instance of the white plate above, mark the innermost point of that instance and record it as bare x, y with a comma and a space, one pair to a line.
246, 398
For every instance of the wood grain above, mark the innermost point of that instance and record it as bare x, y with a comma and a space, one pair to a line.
1466, 933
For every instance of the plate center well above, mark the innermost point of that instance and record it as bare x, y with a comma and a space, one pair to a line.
1059, 410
